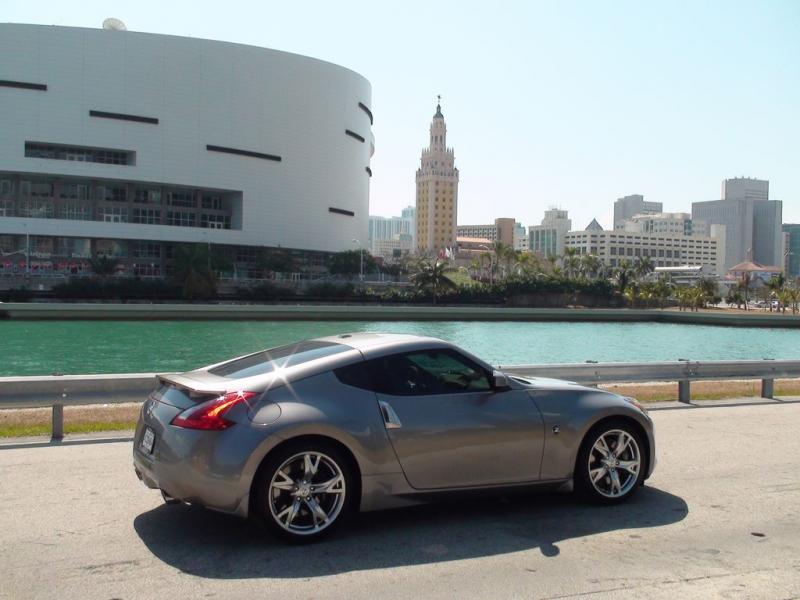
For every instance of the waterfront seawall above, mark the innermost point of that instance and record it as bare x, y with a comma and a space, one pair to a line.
351, 312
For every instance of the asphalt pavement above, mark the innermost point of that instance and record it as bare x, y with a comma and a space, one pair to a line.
720, 518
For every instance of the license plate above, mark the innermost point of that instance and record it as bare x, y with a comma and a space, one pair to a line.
148, 440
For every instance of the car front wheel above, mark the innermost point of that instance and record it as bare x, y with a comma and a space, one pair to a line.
305, 491
611, 463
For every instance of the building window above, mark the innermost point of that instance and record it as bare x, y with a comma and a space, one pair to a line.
146, 216
40, 209
75, 211
212, 202
113, 214
147, 270
183, 198
111, 248
74, 191
142, 196
112, 193
40, 189
215, 221
95, 155
6, 187
180, 218
146, 250
6, 208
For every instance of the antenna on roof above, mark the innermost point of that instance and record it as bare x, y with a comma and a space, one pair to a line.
112, 24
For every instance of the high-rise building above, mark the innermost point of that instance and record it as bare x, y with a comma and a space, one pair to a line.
672, 223
752, 221
791, 250
386, 228
502, 230
521, 241
437, 191
628, 206
547, 239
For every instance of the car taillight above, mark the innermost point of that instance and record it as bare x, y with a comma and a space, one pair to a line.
210, 415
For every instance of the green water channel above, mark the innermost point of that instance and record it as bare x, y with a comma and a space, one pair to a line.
74, 347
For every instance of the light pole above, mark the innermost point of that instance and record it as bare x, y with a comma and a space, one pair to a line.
360, 259
491, 271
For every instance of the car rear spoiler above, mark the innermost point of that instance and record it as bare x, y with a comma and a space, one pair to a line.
199, 386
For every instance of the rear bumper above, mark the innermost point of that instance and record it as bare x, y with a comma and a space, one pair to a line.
197, 467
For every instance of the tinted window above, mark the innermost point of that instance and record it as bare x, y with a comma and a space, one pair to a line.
276, 358
426, 372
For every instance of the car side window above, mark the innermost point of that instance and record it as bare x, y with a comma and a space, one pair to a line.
421, 373
450, 371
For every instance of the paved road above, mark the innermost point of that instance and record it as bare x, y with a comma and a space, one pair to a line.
720, 518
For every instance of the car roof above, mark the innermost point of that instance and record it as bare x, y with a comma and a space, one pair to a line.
369, 343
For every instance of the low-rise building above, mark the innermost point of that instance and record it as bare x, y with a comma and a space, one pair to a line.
502, 230
401, 245
665, 250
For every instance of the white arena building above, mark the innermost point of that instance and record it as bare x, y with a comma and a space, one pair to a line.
125, 144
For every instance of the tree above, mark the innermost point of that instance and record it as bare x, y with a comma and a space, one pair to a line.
276, 261
591, 266
103, 266
570, 262
643, 267
348, 262
623, 275
195, 268
431, 274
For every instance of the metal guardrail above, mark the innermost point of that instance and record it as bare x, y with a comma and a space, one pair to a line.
57, 391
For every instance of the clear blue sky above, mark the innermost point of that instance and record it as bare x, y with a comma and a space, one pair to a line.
547, 103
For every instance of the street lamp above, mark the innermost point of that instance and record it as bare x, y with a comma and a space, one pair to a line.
360, 259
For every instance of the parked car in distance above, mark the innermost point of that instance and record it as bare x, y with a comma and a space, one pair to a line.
301, 436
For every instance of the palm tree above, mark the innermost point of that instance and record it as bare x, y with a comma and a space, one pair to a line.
103, 266
643, 266
591, 266
195, 268
623, 275
570, 262
432, 274
775, 285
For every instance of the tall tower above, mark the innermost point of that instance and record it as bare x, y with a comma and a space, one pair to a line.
437, 191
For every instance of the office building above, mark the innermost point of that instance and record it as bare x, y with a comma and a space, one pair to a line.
672, 223
665, 250
628, 206
752, 221
547, 239
437, 191
127, 144
791, 250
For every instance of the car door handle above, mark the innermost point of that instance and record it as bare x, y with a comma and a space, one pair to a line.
390, 418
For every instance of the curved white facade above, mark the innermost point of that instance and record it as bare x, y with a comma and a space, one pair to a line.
162, 101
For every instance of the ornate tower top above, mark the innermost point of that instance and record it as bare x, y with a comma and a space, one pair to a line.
438, 114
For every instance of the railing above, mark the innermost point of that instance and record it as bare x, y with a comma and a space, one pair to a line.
682, 371
57, 391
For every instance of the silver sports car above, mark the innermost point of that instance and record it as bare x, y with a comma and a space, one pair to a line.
300, 436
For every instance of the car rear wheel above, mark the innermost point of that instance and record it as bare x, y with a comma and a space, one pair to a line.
611, 463
305, 491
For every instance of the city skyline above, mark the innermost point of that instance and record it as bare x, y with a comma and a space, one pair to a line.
548, 105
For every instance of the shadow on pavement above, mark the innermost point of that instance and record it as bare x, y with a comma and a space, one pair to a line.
208, 544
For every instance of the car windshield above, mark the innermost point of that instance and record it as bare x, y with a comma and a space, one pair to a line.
277, 358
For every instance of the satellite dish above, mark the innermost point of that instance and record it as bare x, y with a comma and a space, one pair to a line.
112, 24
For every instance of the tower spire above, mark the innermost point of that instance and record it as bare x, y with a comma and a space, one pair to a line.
438, 114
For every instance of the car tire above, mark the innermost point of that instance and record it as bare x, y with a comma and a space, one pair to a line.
289, 502
604, 475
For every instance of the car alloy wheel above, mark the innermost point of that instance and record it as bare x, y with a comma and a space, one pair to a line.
614, 463
307, 493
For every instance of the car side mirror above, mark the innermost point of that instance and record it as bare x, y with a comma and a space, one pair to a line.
500, 382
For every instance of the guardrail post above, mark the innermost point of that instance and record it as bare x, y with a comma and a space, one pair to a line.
58, 421
684, 391
767, 388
